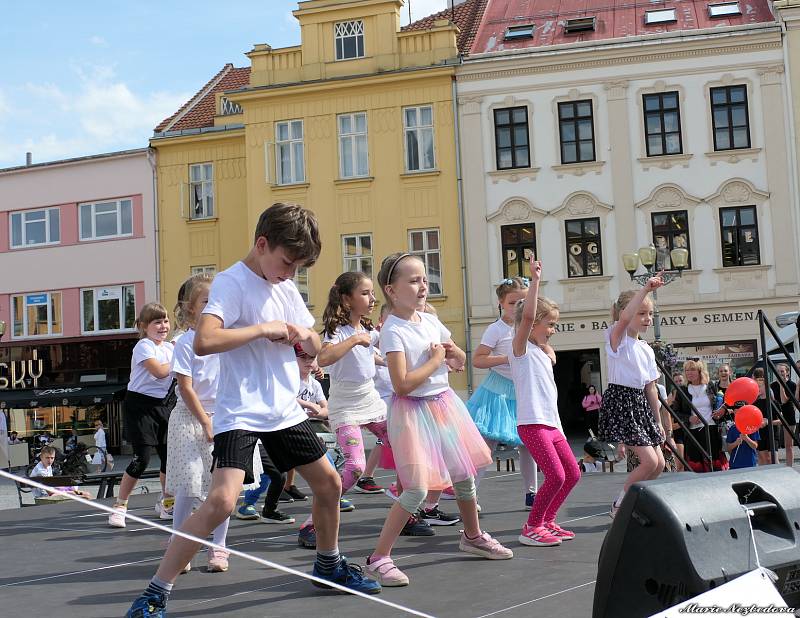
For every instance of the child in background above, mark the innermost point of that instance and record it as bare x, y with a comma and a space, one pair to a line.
743, 448
45, 468
148, 404
100, 443
191, 437
493, 406
631, 411
532, 359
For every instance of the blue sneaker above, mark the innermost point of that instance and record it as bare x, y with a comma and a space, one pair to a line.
307, 537
246, 511
529, 498
148, 605
345, 506
350, 576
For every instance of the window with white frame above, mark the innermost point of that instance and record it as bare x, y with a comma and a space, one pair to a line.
301, 281
418, 127
109, 219
109, 309
357, 253
201, 191
204, 270
353, 151
425, 244
35, 227
289, 152
349, 36
36, 315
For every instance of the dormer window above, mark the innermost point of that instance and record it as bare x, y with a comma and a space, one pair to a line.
523, 31
724, 9
228, 107
349, 39
580, 24
660, 16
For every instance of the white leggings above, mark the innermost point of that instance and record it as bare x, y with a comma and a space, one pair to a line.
182, 512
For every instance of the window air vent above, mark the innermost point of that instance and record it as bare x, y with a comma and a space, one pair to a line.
580, 24
724, 9
522, 31
661, 16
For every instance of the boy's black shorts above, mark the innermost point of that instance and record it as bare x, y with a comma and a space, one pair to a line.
287, 448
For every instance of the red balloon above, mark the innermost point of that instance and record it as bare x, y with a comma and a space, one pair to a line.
741, 389
748, 419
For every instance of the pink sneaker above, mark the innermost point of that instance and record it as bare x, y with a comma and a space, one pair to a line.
448, 494
391, 491
564, 535
538, 537
386, 573
485, 546
217, 560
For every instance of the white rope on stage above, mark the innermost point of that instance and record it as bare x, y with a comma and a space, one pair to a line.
233, 552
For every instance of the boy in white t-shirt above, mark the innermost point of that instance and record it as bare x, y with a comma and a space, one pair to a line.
253, 318
45, 468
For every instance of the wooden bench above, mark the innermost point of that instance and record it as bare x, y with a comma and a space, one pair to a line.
108, 480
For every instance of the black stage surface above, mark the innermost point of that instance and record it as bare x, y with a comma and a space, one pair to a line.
62, 560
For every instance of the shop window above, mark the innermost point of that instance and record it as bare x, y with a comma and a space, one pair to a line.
425, 244
576, 131
109, 309
662, 124
512, 148
35, 227
730, 118
36, 315
418, 128
584, 250
353, 147
290, 152
670, 231
519, 244
349, 37
739, 232
210, 270
201, 190
301, 281
357, 253
109, 219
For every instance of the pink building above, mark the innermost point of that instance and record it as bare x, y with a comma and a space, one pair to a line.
78, 260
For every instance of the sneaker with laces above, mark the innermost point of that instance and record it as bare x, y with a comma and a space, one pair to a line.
561, 533
295, 493
117, 518
391, 491
165, 508
350, 576
345, 505
386, 573
217, 560
307, 537
436, 517
415, 526
538, 537
448, 494
285, 497
148, 605
246, 511
485, 546
367, 485
276, 517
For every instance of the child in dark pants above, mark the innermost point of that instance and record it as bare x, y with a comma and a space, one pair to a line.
272, 481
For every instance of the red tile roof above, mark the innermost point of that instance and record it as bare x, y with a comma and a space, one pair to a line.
467, 16
614, 19
199, 111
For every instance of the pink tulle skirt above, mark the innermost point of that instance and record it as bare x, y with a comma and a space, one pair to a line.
434, 441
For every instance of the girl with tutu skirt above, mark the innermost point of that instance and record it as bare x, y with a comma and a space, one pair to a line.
631, 412
190, 438
493, 406
434, 441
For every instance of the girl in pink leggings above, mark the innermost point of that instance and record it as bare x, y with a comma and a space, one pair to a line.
538, 423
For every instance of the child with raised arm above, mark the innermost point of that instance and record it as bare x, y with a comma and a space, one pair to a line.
253, 318
539, 426
631, 412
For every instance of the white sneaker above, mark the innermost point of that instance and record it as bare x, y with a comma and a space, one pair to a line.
163, 511
117, 518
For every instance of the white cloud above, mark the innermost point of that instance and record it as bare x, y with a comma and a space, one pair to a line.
98, 40
422, 8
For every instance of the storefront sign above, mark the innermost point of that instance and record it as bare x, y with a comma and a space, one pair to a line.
18, 371
666, 321
36, 299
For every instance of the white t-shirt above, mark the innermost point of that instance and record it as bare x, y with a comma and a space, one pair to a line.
259, 381
311, 390
700, 400
141, 380
100, 438
499, 336
415, 339
633, 364
40, 470
358, 365
535, 388
203, 370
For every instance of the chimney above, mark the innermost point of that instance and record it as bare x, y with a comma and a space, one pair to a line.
28, 158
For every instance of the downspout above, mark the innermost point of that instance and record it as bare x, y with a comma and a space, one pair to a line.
792, 136
151, 159
462, 233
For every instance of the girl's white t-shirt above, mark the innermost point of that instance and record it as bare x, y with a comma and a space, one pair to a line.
259, 381
633, 364
414, 339
311, 390
358, 365
383, 382
203, 370
100, 438
141, 380
535, 388
499, 336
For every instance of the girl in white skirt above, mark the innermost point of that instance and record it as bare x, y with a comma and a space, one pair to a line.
191, 439
348, 351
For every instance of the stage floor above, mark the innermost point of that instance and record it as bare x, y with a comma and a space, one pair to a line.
62, 560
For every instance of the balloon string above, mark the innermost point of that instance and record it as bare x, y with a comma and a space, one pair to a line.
749, 513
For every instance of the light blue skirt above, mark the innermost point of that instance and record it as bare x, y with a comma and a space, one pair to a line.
493, 408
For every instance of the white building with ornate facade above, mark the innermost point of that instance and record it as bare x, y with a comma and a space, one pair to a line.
594, 132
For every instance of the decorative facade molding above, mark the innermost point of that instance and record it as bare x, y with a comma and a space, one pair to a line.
514, 175
581, 204
516, 210
737, 191
669, 196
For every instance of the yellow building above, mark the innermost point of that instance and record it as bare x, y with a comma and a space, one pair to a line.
355, 123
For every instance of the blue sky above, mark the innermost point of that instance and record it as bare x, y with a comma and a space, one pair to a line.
87, 77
